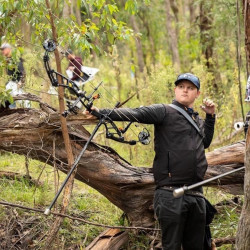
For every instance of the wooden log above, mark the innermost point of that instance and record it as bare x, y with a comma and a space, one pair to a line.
128, 187
19, 177
110, 239
223, 241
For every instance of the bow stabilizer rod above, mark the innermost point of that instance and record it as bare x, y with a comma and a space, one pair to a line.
180, 191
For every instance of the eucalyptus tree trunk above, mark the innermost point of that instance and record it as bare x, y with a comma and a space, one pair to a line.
243, 233
67, 8
77, 10
246, 10
206, 22
207, 40
140, 59
172, 36
66, 139
152, 48
26, 32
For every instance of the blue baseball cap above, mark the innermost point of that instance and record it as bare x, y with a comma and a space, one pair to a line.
189, 77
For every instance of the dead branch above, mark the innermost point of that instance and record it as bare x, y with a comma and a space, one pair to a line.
8, 204
222, 241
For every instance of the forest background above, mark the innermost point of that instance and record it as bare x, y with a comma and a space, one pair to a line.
140, 48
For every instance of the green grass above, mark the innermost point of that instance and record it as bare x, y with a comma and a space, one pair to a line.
85, 202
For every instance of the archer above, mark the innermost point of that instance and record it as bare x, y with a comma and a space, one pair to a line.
181, 138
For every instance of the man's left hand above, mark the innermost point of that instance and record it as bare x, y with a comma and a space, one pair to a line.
208, 106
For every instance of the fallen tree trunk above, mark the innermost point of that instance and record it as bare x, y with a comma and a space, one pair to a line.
130, 188
110, 239
16, 176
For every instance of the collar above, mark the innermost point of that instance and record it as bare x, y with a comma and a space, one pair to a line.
188, 110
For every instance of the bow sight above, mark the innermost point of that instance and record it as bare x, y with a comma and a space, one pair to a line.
112, 131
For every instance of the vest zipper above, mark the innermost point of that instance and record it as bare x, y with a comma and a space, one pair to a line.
169, 170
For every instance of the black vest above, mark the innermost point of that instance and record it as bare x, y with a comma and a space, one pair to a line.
179, 151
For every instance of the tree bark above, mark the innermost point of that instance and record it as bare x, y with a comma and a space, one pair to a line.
222, 241
128, 187
206, 22
140, 59
172, 36
67, 9
246, 10
26, 32
77, 10
243, 233
146, 23
191, 7
207, 40
66, 139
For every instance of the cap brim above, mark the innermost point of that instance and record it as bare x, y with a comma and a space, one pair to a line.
5, 48
185, 79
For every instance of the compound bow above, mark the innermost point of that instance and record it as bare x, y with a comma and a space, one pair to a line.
112, 131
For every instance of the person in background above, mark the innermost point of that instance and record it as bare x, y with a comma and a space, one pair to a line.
16, 73
247, 97
74, 71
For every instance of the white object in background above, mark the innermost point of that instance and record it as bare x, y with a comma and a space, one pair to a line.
11, 85
238, 125
247, 98
91, 72
52, 91
69, 73
23, 103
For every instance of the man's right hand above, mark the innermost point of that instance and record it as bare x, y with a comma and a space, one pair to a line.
88, 115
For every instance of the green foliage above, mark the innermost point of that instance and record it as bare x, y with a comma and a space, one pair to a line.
5, 97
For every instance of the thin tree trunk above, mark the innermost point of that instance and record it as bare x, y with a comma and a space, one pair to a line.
116, 66
192, 18
140, 59
70, 158
246, 8
191, 7
172, 36
175, 10
152, 49
77, 10
67, 9
206, 22
26, 32
243, 233
207, 40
